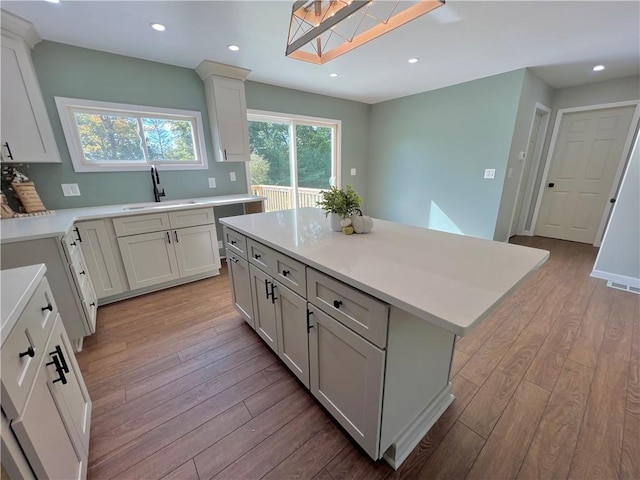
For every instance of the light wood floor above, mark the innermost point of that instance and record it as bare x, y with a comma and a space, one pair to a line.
548, 386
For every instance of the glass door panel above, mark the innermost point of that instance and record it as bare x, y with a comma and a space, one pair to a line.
314, 155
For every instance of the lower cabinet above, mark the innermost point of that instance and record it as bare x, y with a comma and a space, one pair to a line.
196, 250
281, 320
347, 377
101, 257
51, 422
149, 259
241, 287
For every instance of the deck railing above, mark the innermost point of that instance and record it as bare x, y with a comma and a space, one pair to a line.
281, 198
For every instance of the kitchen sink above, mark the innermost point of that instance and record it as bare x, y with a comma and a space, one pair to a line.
156, 206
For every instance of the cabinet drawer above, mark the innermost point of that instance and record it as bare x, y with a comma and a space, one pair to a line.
31, 330
70, 243
235, 242
150, 222
291, 273
191, 218
261, 256
360, 312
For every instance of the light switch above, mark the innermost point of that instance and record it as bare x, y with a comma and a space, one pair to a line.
353, 172
70, 189
232, 176
212, 182
490, 173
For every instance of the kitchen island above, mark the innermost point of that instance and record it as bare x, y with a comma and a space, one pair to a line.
368, 322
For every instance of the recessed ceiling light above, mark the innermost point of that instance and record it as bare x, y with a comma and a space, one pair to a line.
333, 75
598, 68
158, 27
413, 60
233, 48
53, 1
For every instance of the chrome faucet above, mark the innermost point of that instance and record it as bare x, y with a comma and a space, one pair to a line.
155, 179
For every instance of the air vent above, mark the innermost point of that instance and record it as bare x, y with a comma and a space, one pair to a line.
622, 286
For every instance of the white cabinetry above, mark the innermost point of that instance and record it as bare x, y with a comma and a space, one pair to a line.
241, 287
26, 131
102, 257
51, 422
159, 248
226, 103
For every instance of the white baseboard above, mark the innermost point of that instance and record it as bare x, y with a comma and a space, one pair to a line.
623, 280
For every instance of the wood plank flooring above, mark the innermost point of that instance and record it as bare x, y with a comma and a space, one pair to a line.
548, 386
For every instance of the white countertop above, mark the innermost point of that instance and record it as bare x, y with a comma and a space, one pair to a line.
450, 280
17, 285
31, 228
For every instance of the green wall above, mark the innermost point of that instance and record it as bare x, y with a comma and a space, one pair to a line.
68, 71
534, 90
428, 153
354, 117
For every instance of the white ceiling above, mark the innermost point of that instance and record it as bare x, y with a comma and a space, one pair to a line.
460, 41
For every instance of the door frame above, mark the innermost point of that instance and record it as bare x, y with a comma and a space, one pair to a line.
615, 185
534, 167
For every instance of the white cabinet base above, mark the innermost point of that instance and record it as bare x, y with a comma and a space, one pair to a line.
411, 437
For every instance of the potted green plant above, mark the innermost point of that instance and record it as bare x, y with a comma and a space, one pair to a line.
339, 203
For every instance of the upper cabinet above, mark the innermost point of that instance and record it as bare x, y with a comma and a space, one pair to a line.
27, 136
226, 102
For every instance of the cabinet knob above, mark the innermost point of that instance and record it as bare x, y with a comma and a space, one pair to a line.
285, 273
30, 352
48, 307
92, 304
73, 244
232, 242
82, 272
337, 303
551, 185
257, 256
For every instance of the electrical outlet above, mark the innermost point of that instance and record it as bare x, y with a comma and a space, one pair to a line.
212, 182
219, 244
353, 172
522, 156
232, 176
70, 189
490, 173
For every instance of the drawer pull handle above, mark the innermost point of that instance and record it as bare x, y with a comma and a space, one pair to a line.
73, 244
309, 326
48, 307
30, 352
175, 234
168, 237
285, 272
266, 288
82, 272
58, 352
233, 259
78, 233
273, 296
9, 156
92, 304
232, 242
61, 377
256, 256
337, 303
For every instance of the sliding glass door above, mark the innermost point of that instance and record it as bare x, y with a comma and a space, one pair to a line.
292, 158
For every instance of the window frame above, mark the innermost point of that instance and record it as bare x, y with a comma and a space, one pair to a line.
292, 120
68, 106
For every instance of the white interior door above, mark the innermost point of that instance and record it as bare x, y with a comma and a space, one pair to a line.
585, 158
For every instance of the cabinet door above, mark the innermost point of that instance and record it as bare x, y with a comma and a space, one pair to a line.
149, 259
231, 117
25, 124
241, 288
346, 377
71, 398
43, 435
100, 258
196, 250
293, 339
263, 308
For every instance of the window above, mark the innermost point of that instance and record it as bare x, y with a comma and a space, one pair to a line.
293, 158
105, 136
